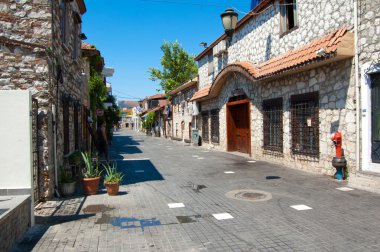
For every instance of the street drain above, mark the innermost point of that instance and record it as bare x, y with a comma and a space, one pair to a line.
188, 219
93, 209
249, 195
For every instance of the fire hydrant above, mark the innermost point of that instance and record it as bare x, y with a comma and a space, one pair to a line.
339, 162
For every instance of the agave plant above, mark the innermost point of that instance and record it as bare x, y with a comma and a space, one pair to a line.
90, 170
112, 175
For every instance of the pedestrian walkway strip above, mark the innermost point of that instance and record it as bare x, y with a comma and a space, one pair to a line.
223, 216
229, 172
176, 205
344, 189
301, 207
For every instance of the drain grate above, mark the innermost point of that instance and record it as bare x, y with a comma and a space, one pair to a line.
249, 195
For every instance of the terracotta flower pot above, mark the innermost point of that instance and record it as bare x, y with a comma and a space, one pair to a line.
91, 185
112, 188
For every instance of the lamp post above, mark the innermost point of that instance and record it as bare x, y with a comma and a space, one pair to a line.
229, 20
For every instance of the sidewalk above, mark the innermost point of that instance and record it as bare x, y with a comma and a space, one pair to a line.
203, 184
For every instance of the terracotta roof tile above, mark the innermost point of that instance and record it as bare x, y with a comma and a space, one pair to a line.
156, 96
86, 46
201, 93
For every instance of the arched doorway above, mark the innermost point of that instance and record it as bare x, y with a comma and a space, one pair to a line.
238, 123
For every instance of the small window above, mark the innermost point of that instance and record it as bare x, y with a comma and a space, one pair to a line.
64, 22
76, 43
273, 126
305, 124
214, 126
205, 127
288, 15
210, 60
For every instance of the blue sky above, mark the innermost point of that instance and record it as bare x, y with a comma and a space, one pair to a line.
129, 34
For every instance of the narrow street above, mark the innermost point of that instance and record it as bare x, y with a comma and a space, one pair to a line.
159, 172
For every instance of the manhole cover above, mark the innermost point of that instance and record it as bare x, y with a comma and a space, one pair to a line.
249, 195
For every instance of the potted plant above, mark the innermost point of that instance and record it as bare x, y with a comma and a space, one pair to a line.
91, 175
112, 179
67, 183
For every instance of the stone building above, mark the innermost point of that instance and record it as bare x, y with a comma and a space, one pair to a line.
40, 50
367, 173
182, 119
155, 103
282, 85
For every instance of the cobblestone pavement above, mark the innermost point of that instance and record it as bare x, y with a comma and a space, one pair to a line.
159, 172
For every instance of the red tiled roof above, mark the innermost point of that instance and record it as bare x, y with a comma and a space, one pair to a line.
156, 96
201, 93
86, 46
302, 55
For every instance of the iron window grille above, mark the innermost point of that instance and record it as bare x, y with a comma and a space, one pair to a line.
214, 125
305, 124
205, 126
273, 125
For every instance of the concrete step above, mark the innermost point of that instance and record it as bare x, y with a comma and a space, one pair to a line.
368, 181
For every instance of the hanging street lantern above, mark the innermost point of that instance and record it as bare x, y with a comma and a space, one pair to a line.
229, 20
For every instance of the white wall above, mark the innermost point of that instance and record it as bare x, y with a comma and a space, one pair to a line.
15, 140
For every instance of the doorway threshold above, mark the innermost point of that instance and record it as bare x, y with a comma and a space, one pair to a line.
240, 154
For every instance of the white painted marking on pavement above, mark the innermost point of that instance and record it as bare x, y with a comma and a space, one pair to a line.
251, 161
134, 159
344, 189
195, 156
201, 158
301, 207
223, 216
229, 172
205, 151
176, 205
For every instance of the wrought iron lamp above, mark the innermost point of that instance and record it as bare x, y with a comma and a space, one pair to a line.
229, 20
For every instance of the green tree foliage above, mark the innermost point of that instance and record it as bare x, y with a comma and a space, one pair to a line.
177, 66
98, 91
149, 120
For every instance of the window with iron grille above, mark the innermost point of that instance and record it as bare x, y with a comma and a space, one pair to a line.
66, 131
273, 126
205, 127
214, 125
305, 124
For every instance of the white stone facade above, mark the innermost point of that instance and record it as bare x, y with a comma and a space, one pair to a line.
259, 40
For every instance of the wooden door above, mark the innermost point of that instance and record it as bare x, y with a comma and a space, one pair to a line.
238, 127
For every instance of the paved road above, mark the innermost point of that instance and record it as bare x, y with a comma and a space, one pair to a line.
159, 172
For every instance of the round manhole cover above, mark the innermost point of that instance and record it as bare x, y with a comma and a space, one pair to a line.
249, 195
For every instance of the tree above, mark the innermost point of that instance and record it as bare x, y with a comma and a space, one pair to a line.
98, 91
177, 66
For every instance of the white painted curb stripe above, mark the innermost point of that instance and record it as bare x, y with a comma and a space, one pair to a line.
223, 216
344, 189
176, 205
301, 207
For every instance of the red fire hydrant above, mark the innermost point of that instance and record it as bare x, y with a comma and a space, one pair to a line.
338, 161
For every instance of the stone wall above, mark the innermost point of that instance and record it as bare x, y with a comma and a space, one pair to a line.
181, 113
31, 49
335, 84
369, 31
259, 39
